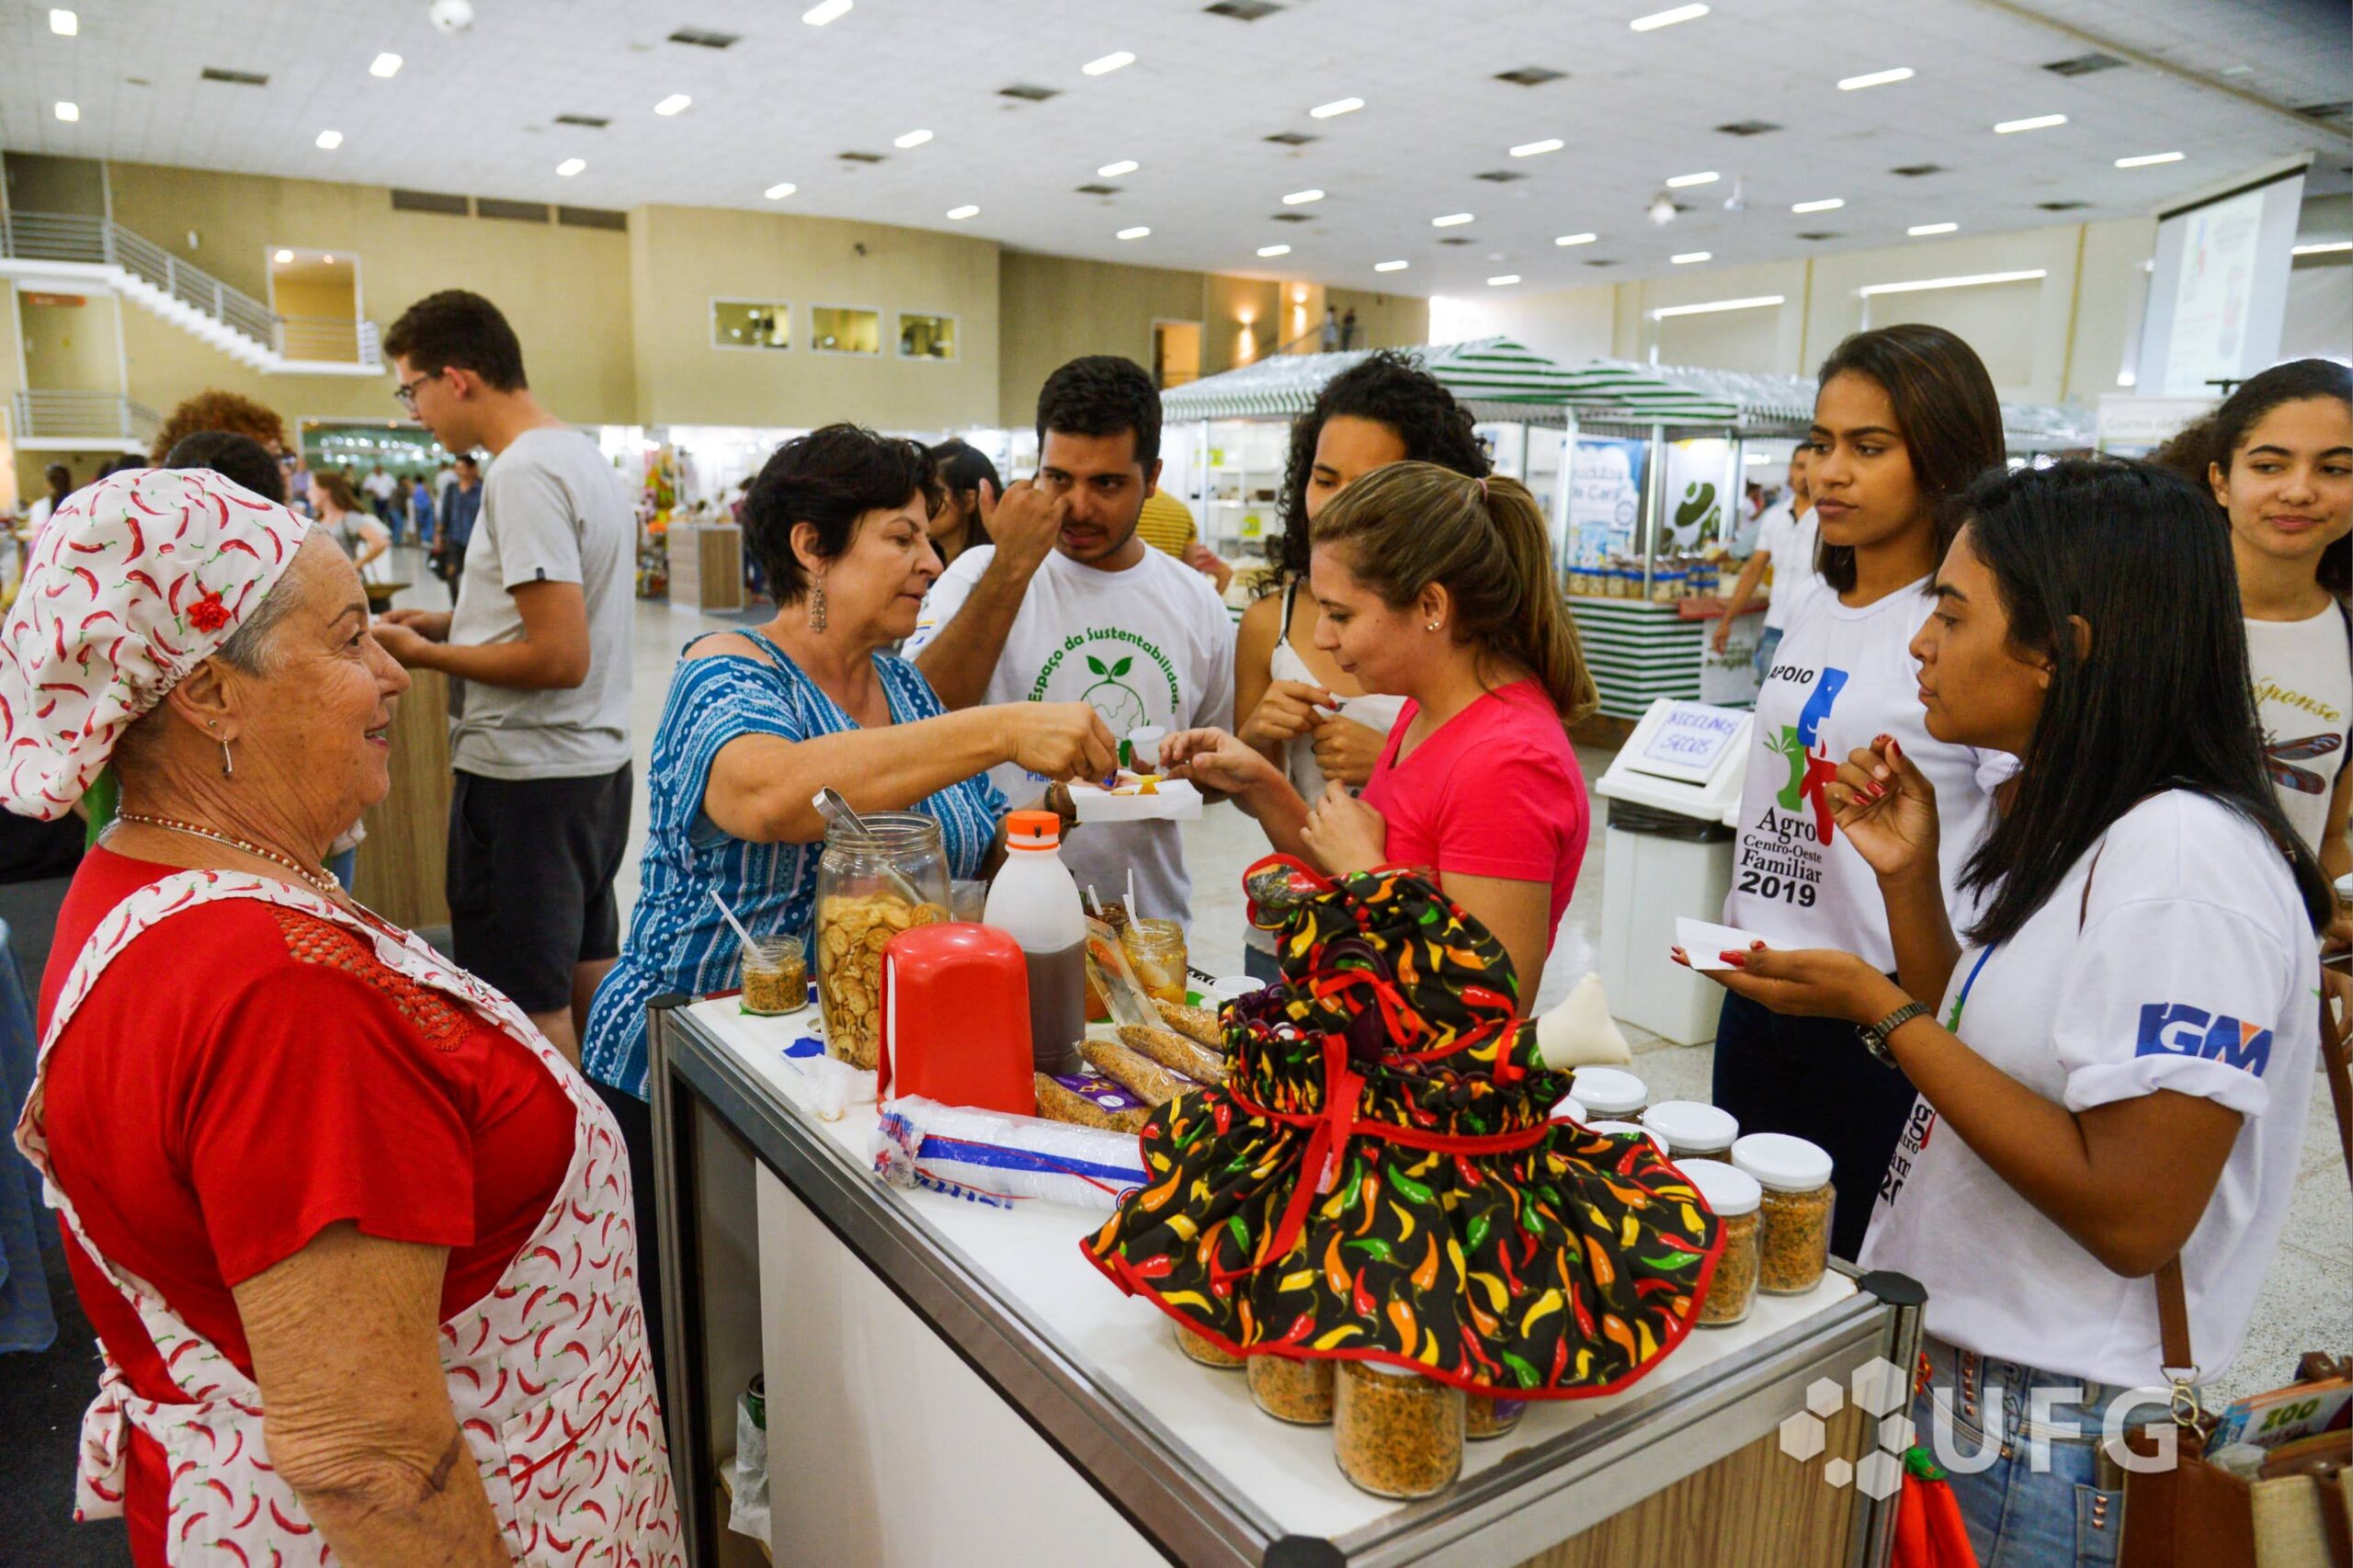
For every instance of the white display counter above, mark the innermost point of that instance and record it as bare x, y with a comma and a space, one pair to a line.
947, 1382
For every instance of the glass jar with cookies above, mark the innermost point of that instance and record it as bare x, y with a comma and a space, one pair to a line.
864, 883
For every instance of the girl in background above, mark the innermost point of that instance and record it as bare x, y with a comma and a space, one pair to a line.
1904, 419
962, 471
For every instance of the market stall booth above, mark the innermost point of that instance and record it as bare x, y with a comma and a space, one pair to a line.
1659, 457
947, 1376
1226, 439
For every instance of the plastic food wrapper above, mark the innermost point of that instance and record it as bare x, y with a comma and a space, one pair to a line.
1170, 800
1175, 1052
1003, 1161
1580, 1032
747, 1508
1089, 1100
1139, 1076
1108, 972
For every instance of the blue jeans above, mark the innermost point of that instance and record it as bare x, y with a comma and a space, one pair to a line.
2020, 1514
1769, 643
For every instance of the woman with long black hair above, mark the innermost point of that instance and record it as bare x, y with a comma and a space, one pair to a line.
1293, 703
2114, 1081
2277, 455
963, 474
1905, 418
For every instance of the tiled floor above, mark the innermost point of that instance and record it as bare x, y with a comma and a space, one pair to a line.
2307, 1301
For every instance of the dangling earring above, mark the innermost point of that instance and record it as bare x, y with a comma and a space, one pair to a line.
228, 763
817, 605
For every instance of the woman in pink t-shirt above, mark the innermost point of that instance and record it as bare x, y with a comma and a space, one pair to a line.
1438, 588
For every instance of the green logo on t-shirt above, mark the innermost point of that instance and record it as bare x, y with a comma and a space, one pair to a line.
1121, 708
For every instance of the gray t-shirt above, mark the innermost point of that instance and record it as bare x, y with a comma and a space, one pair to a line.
552, 511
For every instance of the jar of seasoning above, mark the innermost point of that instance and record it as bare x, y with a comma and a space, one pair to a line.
1486, 1416
1609, 1094
870, 886
775, 976
1395, 1433
1617, 1129
1570, 1109
1798, 1201
1292, 1389
1733, 1195
1692, 1130
1202, 1348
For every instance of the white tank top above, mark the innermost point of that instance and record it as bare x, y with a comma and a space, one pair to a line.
1377, 712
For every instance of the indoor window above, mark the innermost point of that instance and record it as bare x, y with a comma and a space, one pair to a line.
927, 337
845, 329
750, 323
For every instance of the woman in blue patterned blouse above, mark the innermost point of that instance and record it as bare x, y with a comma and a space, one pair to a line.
757, 721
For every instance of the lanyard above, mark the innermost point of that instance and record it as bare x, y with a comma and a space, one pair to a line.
1953, 1024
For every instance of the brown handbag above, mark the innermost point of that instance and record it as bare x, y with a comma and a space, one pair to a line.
2194, 1514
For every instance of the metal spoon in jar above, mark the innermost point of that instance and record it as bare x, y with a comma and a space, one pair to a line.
829, 804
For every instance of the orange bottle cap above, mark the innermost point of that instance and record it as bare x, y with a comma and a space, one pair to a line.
1033, 830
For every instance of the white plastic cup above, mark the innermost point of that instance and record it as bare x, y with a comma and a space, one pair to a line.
1234, 987
1143, 747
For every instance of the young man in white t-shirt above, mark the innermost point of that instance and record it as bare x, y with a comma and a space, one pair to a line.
1786, 534
1070, 604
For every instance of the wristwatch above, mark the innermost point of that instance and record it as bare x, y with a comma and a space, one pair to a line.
1874, 1036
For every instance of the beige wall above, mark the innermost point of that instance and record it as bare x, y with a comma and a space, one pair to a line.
1384, 321
70, 347
2058, 338
38, 183
1055, 308
682, 258
563, 289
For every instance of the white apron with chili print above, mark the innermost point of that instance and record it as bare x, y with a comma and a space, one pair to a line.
549, 1373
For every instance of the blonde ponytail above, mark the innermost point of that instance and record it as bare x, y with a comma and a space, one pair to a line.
1412, 524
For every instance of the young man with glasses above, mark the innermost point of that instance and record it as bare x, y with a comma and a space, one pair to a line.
539, 817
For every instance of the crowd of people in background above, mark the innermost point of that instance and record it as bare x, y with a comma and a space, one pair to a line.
2030, 741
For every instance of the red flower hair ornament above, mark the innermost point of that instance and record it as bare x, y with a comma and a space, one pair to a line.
133, 582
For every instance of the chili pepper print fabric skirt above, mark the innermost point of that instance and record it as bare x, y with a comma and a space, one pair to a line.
1379, 1180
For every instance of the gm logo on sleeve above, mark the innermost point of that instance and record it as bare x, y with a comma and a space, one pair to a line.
2176, 1028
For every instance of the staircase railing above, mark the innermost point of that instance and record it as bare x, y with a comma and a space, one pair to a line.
98, 417
74, 237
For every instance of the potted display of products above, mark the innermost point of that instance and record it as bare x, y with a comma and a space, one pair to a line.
1379, 1181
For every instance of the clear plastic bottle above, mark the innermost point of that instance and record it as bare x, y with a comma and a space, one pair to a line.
1035, 900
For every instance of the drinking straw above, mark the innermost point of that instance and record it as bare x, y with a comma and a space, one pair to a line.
730, 918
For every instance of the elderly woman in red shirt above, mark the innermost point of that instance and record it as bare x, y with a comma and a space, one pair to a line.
327, 1198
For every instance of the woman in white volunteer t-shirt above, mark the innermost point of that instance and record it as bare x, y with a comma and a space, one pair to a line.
2278, 456
2114, 1082
1905, 417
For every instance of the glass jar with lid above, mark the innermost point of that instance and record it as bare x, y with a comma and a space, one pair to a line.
1609, 1092
1692, 1130
1396, 1433
1795, 1211
870, 886
1620, 1129
1734, 1196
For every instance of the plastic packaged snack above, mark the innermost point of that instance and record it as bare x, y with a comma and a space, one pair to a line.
1089, 1100
1147, 1080
1175, 1052
1198, 1025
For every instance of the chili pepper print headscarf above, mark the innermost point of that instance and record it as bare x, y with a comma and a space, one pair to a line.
134, 582
1413, 1207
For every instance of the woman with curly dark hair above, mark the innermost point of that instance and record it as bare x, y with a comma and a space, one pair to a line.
214, 409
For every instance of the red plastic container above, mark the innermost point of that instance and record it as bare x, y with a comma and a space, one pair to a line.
955, 1019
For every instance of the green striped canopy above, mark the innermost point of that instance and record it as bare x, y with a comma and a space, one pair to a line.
1487, 372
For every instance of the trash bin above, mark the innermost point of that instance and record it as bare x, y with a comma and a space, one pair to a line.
1669, 853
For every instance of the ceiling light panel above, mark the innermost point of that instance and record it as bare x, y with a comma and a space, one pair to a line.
780, 191
64, 23
1502, 280
571, 166
1576, 239
1138, 233
2032, 122
1971, 280
1921, 231
1875, 78
912, 139
386, 66
1451, 220
676, 103
1124, 166
68, 112
1104, 65
1827, 204
1336, 107
2146, 159
1301, 198
1688, 258
1535, 149
958, 214
825, 11
1271, 251
1711, 307
1391, 266
328, 141
1667, 18
1685, 182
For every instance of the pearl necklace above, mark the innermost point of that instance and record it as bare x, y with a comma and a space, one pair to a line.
319, 880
